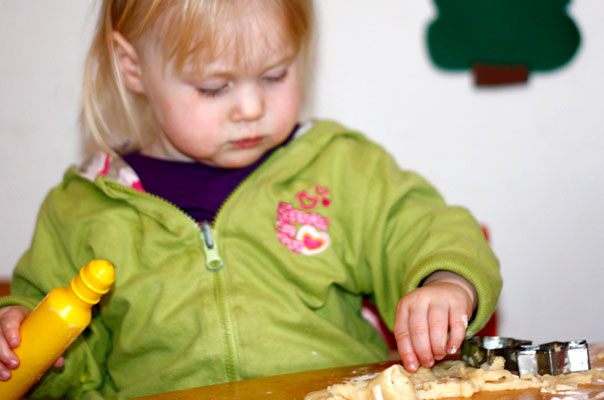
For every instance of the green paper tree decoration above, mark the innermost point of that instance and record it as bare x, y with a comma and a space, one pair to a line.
502, 40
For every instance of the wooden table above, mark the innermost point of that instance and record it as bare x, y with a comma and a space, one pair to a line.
296, 386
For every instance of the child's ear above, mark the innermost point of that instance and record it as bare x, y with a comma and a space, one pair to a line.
128, 62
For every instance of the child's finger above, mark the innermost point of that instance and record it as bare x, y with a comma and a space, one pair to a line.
403, 339
5, 373
408, 357
9, 327
420, 336
59, 363
459, 324
8, 361
438, 320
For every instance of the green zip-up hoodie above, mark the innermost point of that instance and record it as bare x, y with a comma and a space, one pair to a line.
274, 286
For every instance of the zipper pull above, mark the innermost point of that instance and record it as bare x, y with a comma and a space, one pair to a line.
214, 262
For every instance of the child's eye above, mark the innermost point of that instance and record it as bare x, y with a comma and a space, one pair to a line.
275, 77
212, 91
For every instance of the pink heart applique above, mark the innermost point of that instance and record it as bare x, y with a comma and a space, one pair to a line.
321, 191
311, 243
314, 241
307, 201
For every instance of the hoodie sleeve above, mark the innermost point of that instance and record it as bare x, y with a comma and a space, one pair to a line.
410, 233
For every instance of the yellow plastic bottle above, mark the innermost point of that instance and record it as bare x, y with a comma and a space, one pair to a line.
54, 324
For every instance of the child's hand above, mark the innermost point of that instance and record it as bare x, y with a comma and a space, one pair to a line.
425, 315
11, 318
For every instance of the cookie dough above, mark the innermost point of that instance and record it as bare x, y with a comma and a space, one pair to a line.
446, 379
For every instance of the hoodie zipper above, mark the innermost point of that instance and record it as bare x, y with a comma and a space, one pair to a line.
213, 260
215, 264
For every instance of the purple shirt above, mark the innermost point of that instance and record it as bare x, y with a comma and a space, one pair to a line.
197, 189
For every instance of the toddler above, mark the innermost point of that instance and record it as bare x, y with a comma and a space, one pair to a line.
244, 240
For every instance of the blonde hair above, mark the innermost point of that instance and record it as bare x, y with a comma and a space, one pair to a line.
117, 120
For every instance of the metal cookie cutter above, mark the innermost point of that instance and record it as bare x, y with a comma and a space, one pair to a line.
477, 350
553, 358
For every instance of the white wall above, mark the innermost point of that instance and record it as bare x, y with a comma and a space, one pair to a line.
42, 50
526, 160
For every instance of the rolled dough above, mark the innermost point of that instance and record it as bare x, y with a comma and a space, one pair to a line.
447, 379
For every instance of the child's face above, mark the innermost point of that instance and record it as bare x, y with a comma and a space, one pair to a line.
231, 113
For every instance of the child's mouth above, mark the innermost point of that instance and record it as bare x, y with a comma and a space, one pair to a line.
247, 143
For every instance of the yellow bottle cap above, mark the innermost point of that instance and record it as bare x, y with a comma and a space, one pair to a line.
93, 281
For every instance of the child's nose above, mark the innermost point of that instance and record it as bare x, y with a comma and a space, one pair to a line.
250, 103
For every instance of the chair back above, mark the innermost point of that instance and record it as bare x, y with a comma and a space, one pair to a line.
4, 288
